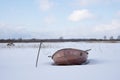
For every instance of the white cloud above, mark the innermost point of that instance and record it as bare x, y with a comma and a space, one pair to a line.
118, 13
25, 31
84, 2
45, 5
50, 20
80, 15
113, 26
14, 31
87, 2
92, 2
2, 24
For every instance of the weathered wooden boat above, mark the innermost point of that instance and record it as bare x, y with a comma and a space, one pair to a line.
70, 56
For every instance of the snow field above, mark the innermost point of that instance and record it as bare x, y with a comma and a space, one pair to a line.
18, 63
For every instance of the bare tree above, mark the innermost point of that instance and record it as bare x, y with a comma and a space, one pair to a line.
111, 38
105, 37
118, 37
61, 37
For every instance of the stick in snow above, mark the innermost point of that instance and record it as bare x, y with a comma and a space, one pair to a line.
87, 50
38, 54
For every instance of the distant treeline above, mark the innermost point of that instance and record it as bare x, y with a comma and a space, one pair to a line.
57, 40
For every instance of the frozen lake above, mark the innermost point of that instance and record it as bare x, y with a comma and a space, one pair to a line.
18, 62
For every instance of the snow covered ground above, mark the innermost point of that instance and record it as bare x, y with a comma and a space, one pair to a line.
18, 62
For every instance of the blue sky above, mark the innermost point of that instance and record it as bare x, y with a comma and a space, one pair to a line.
56, 18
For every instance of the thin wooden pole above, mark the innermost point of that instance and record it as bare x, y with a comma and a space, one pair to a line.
87, 50
38, 53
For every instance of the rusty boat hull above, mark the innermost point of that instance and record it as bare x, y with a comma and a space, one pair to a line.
69, 56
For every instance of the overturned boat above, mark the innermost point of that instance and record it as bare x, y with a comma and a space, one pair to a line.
70, 56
